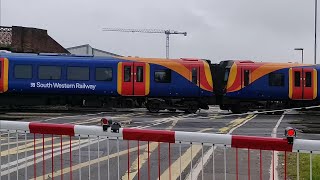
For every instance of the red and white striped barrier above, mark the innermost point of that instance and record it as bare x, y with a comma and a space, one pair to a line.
234, 141
58, 140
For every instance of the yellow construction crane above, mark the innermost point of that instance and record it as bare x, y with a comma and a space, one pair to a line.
159, 31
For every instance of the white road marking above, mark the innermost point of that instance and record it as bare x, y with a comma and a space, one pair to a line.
198, 168
276, 158
60, 117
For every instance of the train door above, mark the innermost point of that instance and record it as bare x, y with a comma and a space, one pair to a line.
245, 77
140, 79
4, 74
302, 83
133, 79
195, 78
1, 76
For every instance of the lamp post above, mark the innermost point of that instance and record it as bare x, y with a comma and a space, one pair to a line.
0, 13
315, 30
300, 49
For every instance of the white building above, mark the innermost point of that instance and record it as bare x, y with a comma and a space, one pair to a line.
88, 50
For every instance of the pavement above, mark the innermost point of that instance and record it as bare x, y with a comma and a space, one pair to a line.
97, 158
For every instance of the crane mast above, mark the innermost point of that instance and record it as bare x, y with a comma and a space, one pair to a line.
155, 31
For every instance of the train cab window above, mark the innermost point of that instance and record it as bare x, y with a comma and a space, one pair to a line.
226, 75
78, 73
276, 79
49, 72
308, 79
23, 71
297, 79
139, 74
162, 76
246, 77
127, 73
103, 74
195, 75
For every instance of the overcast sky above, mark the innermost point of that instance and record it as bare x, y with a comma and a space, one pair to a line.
261, 30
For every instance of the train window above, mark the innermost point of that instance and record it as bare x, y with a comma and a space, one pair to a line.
195, 75
104, 74
308, 79
49, 72
78, 73
23, 71
127, 73
139, 74
276, 79
226, 75
246, 77
162, 76
297, 79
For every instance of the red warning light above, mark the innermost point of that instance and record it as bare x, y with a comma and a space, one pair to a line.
291, 132
104, 121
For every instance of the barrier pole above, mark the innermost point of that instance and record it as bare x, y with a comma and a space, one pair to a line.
149, 160
213, 169
298, 166
261, 173
237, 166
52, 160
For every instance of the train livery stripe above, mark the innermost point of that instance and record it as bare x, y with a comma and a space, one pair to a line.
5, 74
206, 78
119, 83
315, 84
180, 67
290, 83
147, 85
234, 82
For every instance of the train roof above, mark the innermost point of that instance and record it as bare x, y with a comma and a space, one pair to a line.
86, 58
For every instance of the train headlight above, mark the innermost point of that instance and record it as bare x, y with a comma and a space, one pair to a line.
290, 133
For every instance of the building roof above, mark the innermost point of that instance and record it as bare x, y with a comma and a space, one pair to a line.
94, 49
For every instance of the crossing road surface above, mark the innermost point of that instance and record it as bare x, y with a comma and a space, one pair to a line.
89, 156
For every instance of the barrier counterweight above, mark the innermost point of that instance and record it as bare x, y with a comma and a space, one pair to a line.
31, 150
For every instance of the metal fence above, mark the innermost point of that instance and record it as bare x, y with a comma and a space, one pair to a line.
31, 150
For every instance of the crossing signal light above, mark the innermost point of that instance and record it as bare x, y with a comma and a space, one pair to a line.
105, 123
290, 133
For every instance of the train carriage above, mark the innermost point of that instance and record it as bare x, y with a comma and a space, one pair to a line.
249, 85
50, 79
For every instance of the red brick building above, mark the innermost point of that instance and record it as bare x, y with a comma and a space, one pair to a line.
29, 40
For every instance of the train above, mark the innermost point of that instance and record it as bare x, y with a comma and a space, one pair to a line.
186, 84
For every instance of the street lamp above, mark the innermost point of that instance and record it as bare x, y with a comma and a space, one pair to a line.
315, 30
300, 49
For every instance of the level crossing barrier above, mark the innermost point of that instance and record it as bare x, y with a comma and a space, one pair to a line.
32, 150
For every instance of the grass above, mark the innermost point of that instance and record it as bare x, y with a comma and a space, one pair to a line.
304, 162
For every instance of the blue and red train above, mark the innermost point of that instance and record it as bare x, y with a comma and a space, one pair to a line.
157, 84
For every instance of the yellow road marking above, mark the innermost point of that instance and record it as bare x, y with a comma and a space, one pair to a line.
85, 164
144, 156
23, 149
186, 159
235, 123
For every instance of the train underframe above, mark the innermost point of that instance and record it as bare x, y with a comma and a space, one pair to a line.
153, 104
242, 106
